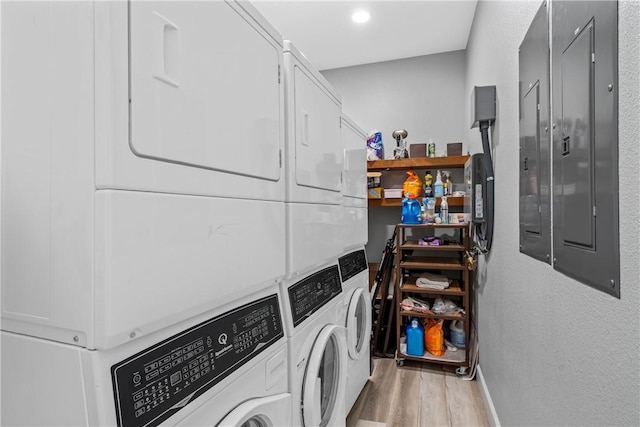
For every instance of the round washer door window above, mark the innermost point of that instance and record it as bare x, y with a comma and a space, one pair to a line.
325, 377
358, 323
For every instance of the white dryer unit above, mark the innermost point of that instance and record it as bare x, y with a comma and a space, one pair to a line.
356, 313
141, 146
314, 158
228, 369
317, 349
354, 186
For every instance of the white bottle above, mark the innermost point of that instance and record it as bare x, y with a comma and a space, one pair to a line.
438, 189
444, 211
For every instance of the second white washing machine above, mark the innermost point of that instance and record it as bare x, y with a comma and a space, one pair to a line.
317, 349
356, 316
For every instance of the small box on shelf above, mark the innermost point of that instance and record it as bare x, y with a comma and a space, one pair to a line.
374, 193
454, 149
393, 193
417, 150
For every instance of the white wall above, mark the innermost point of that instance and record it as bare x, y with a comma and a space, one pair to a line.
424, 95
554, 351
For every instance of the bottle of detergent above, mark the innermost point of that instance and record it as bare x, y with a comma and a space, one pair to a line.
456, 333
438, 188
444, 210
410, 210
428, 183
415, 338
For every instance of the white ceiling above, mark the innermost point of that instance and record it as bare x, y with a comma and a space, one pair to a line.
324, 32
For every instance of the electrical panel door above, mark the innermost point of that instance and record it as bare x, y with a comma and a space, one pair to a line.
585, 147
535, 212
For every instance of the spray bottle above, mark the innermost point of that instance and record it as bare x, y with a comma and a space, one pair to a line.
438, 188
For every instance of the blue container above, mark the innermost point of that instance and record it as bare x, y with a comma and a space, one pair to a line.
415, 338
411, 211
456, 333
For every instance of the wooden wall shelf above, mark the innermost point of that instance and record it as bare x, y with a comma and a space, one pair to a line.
452, 201
417, 163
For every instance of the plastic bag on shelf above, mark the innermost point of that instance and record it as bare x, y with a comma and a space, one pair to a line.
438, 306
434, 337
412, 184
414, 304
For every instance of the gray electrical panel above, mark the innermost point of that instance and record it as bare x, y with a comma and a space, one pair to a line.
585, 142
535, 136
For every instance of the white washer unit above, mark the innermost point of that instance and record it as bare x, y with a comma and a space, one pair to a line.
354, 269
140, 149
314, 158
356, 316
228, 369
354, 186
317, 349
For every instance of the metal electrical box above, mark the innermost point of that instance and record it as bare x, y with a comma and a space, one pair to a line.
483, 105
475, 199
535, 134
585, 142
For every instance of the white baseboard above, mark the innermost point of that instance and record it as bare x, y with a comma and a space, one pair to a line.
489, 409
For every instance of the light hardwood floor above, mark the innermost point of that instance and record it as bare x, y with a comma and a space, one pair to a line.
417, 394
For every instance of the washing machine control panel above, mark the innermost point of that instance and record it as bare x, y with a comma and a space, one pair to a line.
310, 294
154, 384
352, 264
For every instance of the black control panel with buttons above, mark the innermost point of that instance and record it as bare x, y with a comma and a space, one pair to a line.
310, 294
352, 264
150, 386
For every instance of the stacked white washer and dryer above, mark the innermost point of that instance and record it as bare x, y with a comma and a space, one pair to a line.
354, 270
141, 159
314, 163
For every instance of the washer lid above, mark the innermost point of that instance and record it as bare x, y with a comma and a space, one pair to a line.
267, 411
325, 378
358, 323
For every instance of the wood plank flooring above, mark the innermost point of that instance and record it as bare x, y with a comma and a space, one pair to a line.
417, 394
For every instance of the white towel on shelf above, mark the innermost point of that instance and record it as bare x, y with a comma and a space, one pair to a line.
432, 281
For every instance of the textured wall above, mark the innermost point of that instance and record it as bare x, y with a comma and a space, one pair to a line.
554, 351
424, 95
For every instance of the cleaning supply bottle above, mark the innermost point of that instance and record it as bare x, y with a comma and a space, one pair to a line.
456, 333
431, 148
449, 191
444, 210
428, 185
410, 210
438, 188
415, 338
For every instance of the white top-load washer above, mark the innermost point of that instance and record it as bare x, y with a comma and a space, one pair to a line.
229, 368
314, 158
142, 146
356, 316
317, 348
354, 186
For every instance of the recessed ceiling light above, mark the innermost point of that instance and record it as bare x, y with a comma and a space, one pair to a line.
360, 16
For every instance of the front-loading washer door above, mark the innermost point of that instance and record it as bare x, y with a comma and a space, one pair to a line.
358, 323
270, 411
324, 384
